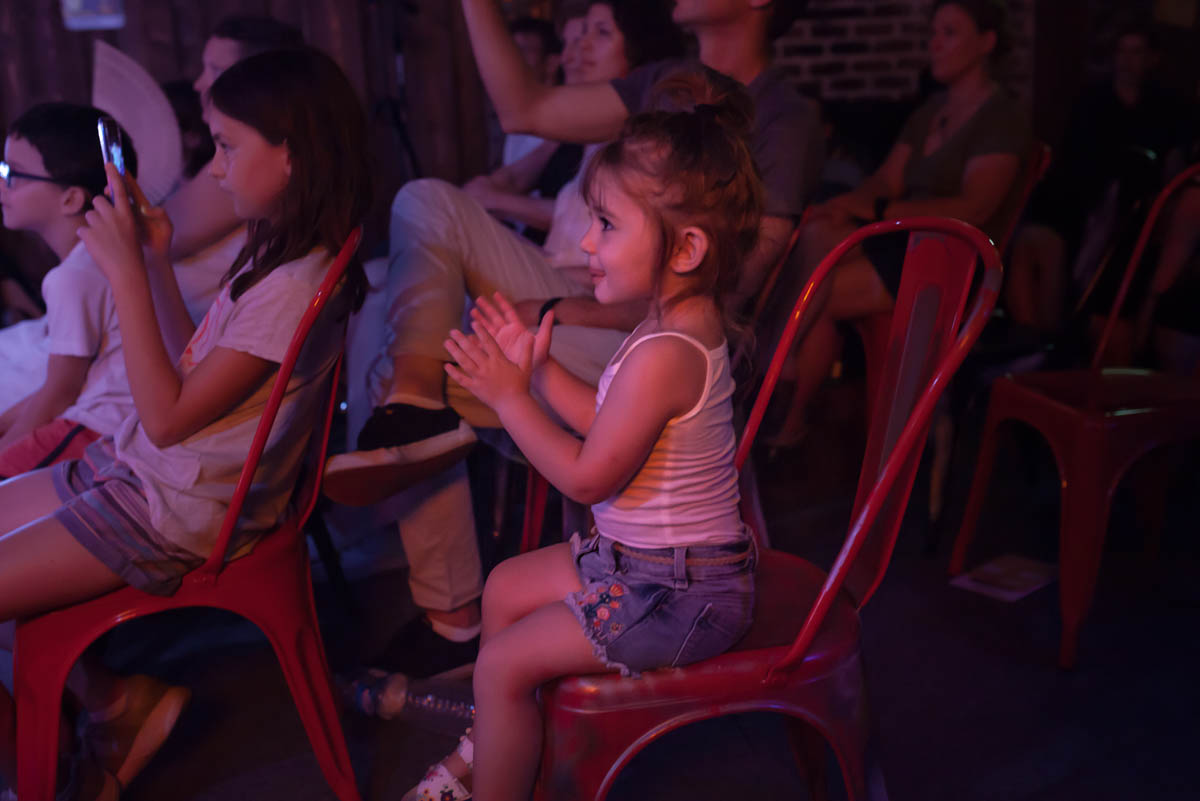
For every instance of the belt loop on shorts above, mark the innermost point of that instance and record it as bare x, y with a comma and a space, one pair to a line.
681, 581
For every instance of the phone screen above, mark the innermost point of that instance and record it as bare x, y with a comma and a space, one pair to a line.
110, 143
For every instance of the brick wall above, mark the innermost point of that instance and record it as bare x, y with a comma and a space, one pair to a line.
875, 49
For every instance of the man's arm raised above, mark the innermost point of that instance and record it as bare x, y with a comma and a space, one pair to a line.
583, 113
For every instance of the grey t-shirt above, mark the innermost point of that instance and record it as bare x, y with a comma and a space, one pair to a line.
787, 141
1000, 125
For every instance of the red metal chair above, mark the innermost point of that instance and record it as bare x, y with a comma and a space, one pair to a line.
802, 655
1098, 422
270, 586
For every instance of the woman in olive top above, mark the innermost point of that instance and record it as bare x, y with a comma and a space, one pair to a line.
958, 155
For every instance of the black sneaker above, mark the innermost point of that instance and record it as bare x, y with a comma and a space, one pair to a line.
417, 651
399, 446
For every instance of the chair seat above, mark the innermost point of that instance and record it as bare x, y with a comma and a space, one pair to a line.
1123, 392
276, 569
785, 584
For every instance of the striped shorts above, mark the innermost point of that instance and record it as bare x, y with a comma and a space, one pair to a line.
105, 510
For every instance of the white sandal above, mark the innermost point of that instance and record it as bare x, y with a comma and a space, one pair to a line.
439, 784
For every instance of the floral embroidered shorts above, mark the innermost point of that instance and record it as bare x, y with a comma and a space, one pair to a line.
645, 608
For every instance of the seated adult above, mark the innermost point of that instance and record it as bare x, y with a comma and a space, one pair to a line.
208, 234
445, 247
1123, 135
959, 155
522, 191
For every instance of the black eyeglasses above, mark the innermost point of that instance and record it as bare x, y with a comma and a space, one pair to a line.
7, 174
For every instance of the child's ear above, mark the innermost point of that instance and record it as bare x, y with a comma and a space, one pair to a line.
73, 201
690, 251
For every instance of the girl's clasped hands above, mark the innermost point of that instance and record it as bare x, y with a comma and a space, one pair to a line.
497, 362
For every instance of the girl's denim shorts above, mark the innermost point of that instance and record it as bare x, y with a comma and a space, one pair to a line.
645, 608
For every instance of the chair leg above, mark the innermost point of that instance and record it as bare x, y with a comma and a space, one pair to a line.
809, 748
1086, 498
861, 771
578, 756
500, 498
1151, 480
979, 487
536, 491
301, 656
331, 560
39, 715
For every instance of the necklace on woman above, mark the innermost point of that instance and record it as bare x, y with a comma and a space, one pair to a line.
951, 116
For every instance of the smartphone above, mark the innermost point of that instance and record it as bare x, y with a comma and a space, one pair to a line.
110, 143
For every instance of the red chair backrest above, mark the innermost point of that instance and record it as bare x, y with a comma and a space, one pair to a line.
1135, 258
923, 352
307, 497
935, 281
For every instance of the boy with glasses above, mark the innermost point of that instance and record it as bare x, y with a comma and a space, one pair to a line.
52, 169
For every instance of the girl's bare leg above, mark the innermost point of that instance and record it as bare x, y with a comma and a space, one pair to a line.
508, 723
42, 567
26, 498
516, 588
524, 584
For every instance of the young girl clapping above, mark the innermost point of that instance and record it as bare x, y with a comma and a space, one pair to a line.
667, 576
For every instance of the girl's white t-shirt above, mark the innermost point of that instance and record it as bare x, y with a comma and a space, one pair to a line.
188, 485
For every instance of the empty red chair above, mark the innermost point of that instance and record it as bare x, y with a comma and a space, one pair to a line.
802, 654
1098, 422
270, 586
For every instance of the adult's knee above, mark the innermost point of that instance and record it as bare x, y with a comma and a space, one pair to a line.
420, 208
421, 193
817, 237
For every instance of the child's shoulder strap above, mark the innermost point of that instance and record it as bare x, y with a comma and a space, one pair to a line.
708, 365
630, 343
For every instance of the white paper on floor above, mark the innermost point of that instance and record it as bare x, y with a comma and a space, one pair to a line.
1007, 578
